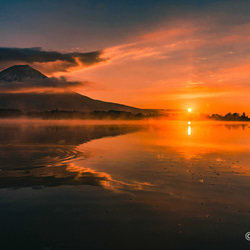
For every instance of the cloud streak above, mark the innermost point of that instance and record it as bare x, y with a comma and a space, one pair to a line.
60, 61
198, 50
180, 64
50, 84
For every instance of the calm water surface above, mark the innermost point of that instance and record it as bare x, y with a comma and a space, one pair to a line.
154, 185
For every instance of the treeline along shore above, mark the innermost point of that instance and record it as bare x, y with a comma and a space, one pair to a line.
115, 115
230, 117
63, 114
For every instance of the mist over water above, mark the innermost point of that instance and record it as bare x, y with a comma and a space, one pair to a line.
124, 185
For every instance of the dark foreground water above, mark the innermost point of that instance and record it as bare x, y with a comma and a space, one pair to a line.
157, 185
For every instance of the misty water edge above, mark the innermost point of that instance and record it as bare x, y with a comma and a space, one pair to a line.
131, 185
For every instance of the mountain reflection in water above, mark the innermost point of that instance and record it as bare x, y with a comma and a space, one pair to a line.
164, 185
53, 154
38, 155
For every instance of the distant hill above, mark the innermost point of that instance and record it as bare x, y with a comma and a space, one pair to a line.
62, 101
67, 101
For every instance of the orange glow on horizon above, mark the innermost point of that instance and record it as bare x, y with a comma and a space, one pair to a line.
206, 72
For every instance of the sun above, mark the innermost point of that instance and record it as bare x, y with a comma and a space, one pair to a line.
189, 110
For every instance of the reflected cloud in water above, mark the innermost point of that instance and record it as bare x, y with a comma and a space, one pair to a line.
172, 179
39, 155
53, 155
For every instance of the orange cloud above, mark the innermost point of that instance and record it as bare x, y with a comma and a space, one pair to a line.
182, 62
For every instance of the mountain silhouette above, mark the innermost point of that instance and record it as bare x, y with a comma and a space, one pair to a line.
21, 73
68, 101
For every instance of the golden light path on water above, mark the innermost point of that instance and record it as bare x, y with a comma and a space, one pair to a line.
119, 152
189, 130
171, 178
203, 143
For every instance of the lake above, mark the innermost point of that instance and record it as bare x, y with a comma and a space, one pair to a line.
124, 185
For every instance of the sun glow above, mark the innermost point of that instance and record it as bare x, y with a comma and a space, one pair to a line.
189, 110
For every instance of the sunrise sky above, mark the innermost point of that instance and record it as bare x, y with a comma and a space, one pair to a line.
147, 54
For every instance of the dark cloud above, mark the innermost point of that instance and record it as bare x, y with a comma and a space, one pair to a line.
40, 85
37, 55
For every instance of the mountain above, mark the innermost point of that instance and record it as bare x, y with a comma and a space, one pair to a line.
67, 101
21, 73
